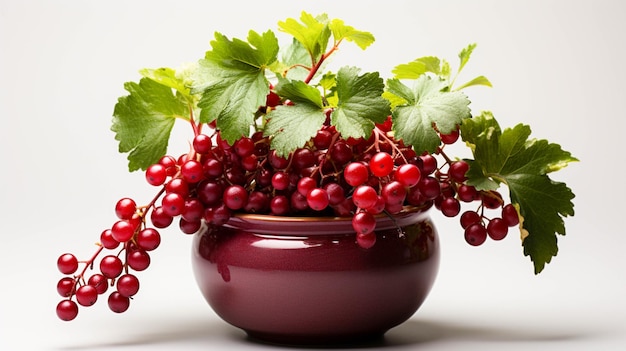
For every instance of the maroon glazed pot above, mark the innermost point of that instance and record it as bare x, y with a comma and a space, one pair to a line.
302, 280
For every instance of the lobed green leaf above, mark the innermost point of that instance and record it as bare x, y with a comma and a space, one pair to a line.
292, 126
168, 77
417, 67
232, 81
360, 103
299, 92
427, 105
143, 120
342, 31
313, 33
480, 80
465, 54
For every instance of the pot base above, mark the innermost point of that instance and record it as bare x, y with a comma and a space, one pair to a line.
325, 340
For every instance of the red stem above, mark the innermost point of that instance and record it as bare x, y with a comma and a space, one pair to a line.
81, 275
317, 66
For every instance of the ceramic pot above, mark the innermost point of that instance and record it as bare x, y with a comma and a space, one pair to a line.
303, 280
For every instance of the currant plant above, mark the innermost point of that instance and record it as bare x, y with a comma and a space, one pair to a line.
273, 133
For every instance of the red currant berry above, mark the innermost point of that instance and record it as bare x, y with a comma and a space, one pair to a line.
497, 228
408, 175
467, 193
148, 239
475, 234
450, 207
363, 222
168, 161
118, 303
317, 199
178, 186
322, 139
156, 174
306, 184
491, 199
100, 282
189, 227
364, 197
67, 310
173, 204
429, 187
107, 240
192, 171
111, 266
378, 207
510, 215
381, 164
457, 171
138, 260
355, 173
244, 147
450, 138
159, 218
125, 208
280, 180
202, 143
65, 286
235, 197
394, 193
468, 218
127, 285
67, 263
122, 231
279, 205
86, 295
429, 163
336, 193
193, 210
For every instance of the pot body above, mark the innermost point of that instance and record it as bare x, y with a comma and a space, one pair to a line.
305, 281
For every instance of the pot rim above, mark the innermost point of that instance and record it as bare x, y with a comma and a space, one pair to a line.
275, 218
293, 225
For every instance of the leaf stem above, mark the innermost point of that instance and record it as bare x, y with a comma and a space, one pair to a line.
317, 65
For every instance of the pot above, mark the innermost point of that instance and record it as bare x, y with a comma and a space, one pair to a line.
304, 280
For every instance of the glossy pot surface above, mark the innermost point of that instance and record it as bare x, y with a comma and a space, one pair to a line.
301, 280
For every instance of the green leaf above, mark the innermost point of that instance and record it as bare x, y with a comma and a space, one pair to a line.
416, 68
427, 106
360, 103
168, 77
294, 60
328, 81
342, 31
292, 126
143, 120
232, 80
480, 80
543, 204
523, 164
465, 54
312, 32
299, 92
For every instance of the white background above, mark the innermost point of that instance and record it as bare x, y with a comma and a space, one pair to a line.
556, 65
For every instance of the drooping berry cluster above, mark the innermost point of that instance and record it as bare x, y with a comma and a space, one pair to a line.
132, 239
476, 223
